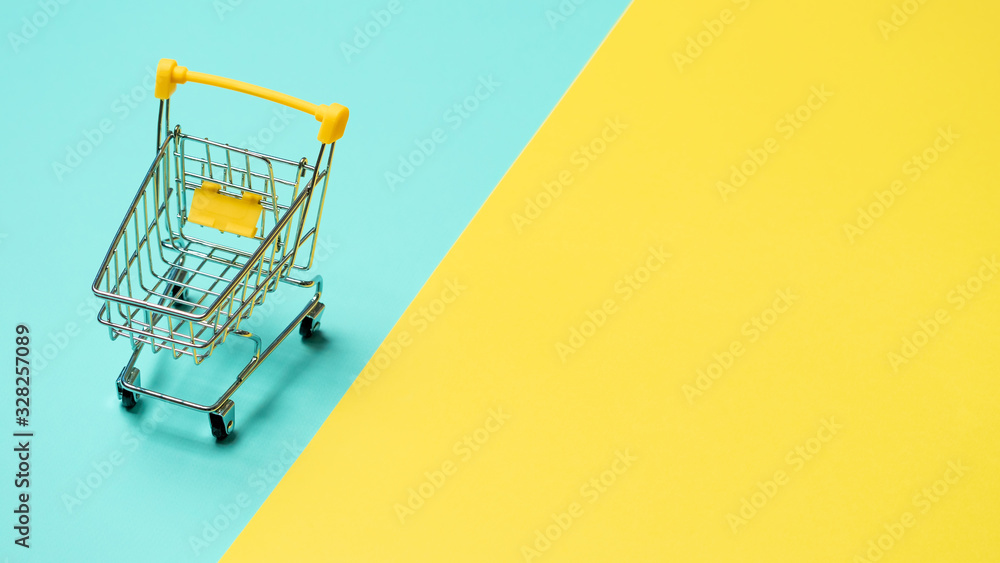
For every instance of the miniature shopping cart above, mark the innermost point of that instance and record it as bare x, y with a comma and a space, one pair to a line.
211, 232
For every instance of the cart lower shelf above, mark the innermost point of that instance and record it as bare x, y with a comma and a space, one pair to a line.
222, 413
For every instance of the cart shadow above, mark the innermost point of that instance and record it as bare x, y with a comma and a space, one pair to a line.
318, 342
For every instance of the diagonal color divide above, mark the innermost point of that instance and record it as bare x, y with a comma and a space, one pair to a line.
736, 301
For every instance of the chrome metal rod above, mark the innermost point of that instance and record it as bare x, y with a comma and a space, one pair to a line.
245, 373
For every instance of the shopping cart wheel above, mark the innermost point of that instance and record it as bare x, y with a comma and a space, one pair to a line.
178, 293
128, 398
174, 290
224, 421
306, 328
310, 323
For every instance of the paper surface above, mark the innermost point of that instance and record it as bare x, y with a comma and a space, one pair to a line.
736, 301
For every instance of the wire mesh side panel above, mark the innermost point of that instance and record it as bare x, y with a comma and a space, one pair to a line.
305, 251
139, 275
175, 285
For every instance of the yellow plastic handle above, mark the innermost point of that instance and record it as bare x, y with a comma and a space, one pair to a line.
332, 118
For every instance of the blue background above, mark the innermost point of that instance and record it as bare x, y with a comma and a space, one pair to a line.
153, 485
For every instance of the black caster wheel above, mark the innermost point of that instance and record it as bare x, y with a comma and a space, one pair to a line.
176, 291
306, 327
224, 421
129, 400
310, 324
178, 294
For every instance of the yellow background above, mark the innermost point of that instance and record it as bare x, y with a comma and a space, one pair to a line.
826, 358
